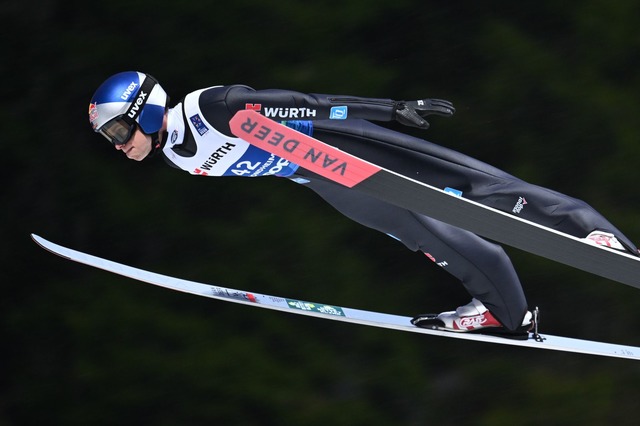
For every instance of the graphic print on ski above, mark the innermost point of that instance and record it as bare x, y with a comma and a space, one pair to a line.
361, 175
332, 312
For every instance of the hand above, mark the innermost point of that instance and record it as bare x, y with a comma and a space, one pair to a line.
412, 113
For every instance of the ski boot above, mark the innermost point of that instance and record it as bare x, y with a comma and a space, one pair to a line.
605, 239
473, 318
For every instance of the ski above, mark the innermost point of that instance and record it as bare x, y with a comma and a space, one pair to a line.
332, 312
361, 175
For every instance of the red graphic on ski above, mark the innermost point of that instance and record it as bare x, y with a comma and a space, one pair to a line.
301, 149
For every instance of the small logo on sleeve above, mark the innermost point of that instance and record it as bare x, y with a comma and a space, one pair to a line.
339, 113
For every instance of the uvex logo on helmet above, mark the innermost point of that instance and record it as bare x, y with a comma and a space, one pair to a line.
125, 95
135, 108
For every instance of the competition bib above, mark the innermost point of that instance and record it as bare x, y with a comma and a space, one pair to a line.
218, 154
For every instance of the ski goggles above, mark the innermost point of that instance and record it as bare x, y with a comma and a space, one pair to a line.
119, 129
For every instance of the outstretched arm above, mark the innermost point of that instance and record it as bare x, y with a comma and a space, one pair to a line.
291, 105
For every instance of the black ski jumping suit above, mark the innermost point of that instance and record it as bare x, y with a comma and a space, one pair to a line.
199, 141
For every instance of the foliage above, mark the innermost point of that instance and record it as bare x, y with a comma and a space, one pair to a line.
546, 91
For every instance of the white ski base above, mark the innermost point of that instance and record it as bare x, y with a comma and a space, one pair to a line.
320, 310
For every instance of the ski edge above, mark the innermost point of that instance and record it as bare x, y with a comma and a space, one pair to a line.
332, 312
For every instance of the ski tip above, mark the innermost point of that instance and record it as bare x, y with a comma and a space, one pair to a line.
37, 239
51, 247
41, 242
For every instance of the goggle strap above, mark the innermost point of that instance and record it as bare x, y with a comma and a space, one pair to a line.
142, 96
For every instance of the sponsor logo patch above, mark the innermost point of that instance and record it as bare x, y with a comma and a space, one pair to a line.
217, 155
199, 124
452, 191
519, 205
289, 113
301, 181
442, 264
323, 309
472, 322
93, 113
233, 294
339, 113
197, 171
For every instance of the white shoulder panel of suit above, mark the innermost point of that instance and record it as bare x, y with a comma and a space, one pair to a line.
216, 153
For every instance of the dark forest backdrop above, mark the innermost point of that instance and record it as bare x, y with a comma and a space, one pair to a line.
547, 90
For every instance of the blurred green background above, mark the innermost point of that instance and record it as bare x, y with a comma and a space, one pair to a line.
546, 90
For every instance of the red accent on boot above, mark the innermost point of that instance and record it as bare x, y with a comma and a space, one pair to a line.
476, 322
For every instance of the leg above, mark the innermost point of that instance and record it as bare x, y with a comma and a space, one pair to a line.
483, 267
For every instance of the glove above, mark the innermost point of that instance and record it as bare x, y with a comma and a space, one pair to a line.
412, 113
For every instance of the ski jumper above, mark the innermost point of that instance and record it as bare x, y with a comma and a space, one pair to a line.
200, 142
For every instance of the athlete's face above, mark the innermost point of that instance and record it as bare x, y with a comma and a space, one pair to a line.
138, 147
